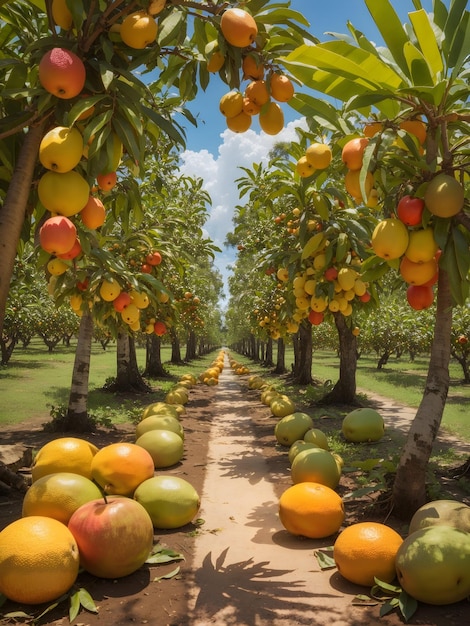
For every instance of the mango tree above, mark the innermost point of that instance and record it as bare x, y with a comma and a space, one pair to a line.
411, 98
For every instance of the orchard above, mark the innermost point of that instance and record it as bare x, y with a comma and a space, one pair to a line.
351, 240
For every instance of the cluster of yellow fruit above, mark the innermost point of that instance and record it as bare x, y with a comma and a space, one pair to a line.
210, 376
240, 30
238, 368
94, 508
317, 157
404, 237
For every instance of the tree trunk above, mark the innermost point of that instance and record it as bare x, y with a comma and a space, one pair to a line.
128, 377
175, 348
153, 358
76, 419
409, 487
268, 357
191, 346
303, 375
12, 212
344, 391
281, 357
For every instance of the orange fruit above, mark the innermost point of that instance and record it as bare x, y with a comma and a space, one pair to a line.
66, 454
57, 235
372, 128
249, 107
353, 185
39, 560
238, 27
62, 73
281, 87
303, 167
138, 30
311, 510
353, 152
366, 550
93, 213
106, 181
120, 467
231, 104
257, 92
271, 119
252, 67
318, 155
216, 62
390, 239
417, 273
317, 466
416, 128
59, 495
240, 123
61, 14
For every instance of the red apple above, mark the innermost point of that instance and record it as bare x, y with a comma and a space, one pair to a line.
114, 537
121, 301
146, 268
154, 258
365, 297
410, 210
315, 318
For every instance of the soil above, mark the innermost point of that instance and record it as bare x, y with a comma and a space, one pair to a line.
240, 568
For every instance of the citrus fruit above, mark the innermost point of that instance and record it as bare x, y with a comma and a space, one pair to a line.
366, 550
56, 267
257, 92
252, 67
281, 405
444, 196
363, 424
159, 422
304, 168
317, 466
297, 447
66, 454
311, 510
61, 14
281, 87
292, 427
59, 495
39, 560
170, 501
164, 446
231, 104
318, 437
353, 152
318, 155
120, 467
352, 182
433, 565
61, 149
138, 30
238, 27
441, 513
239, 123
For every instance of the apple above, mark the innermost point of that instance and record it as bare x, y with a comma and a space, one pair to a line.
114, 536
154, 258
410, 210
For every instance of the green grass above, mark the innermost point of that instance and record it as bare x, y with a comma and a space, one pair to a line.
34, 381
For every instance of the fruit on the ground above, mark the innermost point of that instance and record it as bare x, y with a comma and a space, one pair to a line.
64, 194
441, 513
160, 408
119, 468
65, 454
106, 181
109, 290
420, 297
433, 565
271, 119
390, 239
177, 395
362, 425
61, 149
281, 86
138, 30
422, 246
297, 447
114, 537
444, 196
417, 273
170, 501
315, 465
159, 422
57, 235
240, 123
282, 405
353, 152
410, 210
292, 427
311, 510
238, 27
61, 14
93, 213
318, 437
366, 550
39, 560
62, 73
59, 495
164, 446
318, 155
231, 104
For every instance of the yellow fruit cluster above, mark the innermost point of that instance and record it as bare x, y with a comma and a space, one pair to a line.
317, 157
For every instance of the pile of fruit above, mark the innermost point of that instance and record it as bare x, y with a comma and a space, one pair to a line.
96, 508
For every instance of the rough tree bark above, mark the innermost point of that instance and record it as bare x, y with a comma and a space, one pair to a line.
281, 357
128, 377
153, 358
303, 372
175, 348
268, 357
344, 391
409, 487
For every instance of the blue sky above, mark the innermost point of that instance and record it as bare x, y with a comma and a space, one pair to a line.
215, 154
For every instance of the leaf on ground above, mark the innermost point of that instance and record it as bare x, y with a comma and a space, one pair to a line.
408, 605
87, 601
171, 574
161, 554
18, 614
325, 558
387, 586
388, 607
363, 600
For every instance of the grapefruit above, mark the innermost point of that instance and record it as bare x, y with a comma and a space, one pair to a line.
170, 501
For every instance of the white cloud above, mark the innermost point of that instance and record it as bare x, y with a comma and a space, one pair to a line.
219, 174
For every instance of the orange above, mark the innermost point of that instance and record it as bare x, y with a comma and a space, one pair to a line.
106, 181
281, 87
318, 155
417, 273
353, 185
238, 27
416, 128
353, 152
62, 73
240, 123
249, 107
39, 560
59, 495
231, 104
367, 550
61, 14
257, 92
372, 128
119, 468
252, 67
271, 119
66, 454
93, 213
311, 510
138, 30
315, 465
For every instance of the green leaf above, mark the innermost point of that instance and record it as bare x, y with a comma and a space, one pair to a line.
312, 245
417, 65
87, 601
342, 246
388, 607
427, 41
363, 600
74, 606
171, 28
171, 574
325, 558
407, 605
387, 586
